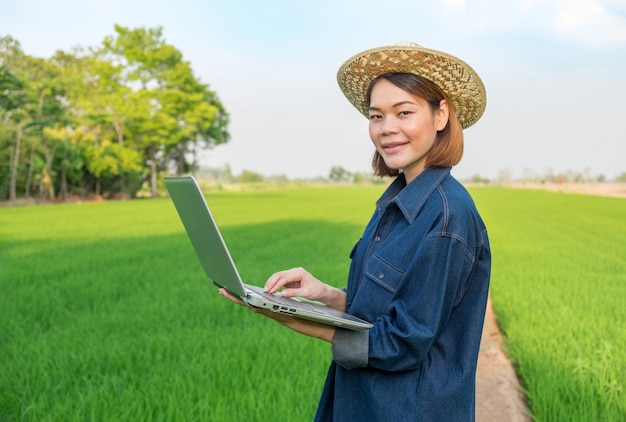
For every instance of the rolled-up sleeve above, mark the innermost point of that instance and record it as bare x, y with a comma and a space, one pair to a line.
351, 348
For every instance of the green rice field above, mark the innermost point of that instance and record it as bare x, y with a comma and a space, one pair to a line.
105, 313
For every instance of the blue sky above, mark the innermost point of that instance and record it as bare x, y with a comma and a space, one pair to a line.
553, 69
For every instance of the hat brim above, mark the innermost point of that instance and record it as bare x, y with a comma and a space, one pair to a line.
455, 77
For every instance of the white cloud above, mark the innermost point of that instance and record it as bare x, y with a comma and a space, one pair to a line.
588, 22
454, 6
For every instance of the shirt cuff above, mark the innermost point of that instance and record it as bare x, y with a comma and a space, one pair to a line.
351, 348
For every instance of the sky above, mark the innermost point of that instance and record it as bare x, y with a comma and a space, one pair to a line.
554, 72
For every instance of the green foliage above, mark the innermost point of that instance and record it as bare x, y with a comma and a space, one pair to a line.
11, 90
248, 176
181, 111
106, 313
130, 106
478, 179
339, 174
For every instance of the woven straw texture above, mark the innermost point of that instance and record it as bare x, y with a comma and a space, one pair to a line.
455, 77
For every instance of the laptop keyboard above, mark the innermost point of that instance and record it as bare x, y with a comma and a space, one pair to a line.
285, 301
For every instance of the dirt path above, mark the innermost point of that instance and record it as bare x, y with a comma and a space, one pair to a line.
499, 397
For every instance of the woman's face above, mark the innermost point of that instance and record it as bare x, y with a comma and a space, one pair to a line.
403, 127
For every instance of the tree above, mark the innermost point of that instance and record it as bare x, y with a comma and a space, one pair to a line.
46, 113
102, 107
478, 179
12, 102
92, 120
339, 174
505, 176
177, 109
34, 105
248, 176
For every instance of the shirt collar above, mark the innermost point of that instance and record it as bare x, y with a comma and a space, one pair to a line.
410, 198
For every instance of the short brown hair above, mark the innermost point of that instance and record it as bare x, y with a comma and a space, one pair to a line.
447, 150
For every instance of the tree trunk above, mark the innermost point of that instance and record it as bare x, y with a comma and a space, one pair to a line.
63, 184
48, 183
119, 131
194, 165
153, 171
31, 170
180, 160
15, 161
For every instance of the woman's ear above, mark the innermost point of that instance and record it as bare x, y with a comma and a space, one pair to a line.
442, 115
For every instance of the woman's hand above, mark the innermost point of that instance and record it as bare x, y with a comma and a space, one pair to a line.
297, 282
309, 328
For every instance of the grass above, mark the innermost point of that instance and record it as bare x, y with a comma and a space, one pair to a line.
106, 315
558, 286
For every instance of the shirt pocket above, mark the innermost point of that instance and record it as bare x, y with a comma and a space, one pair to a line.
383, 274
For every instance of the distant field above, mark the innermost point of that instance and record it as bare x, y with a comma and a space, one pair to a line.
106, 315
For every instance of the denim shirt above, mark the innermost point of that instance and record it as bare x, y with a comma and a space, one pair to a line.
420, 273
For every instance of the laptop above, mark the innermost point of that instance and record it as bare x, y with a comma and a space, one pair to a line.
219, 267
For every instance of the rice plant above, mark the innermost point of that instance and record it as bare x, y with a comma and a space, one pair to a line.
105, 312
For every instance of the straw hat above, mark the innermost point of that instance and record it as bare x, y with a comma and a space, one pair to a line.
455, 77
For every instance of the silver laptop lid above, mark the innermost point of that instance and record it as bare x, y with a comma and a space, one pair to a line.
204, 233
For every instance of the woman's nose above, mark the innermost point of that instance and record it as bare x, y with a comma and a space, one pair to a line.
389, 127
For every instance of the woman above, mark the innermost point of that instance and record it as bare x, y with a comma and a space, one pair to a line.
420, 272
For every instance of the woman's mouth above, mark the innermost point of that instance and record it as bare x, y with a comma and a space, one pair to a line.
393, 147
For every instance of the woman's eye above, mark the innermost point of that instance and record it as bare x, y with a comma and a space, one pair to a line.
375, 117
404, 113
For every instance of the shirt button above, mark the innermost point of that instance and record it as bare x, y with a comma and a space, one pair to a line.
381, 276
376, 238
